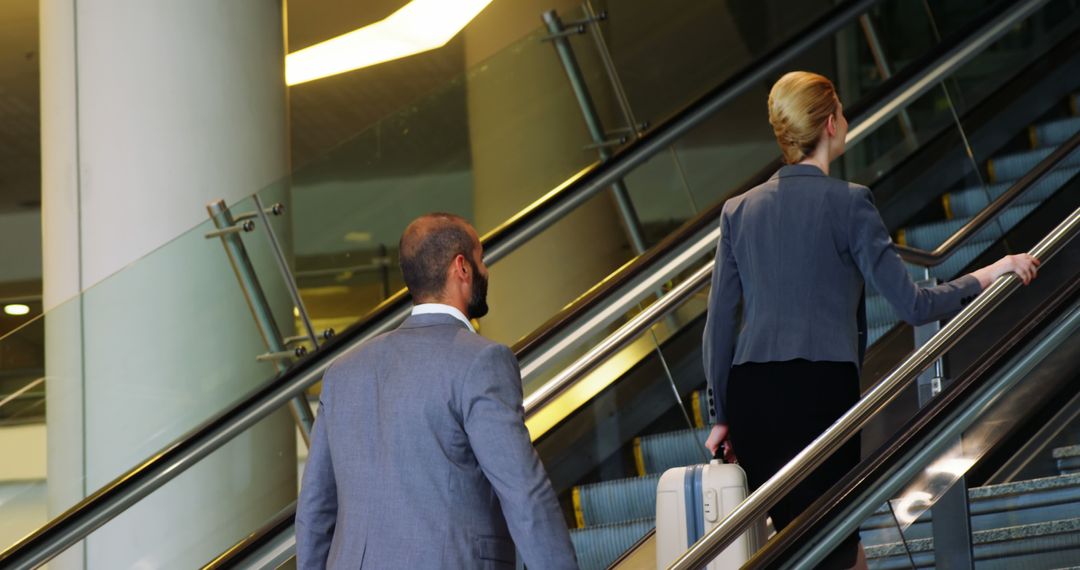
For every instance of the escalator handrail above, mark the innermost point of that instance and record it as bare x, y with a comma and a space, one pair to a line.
985, 216
758, 503
264, 536
939, 62
654, 312
110, 500
869, 114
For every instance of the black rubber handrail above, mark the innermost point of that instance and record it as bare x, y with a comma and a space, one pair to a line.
64, 530
236, 556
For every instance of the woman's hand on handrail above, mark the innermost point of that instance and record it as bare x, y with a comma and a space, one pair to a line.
1023, 265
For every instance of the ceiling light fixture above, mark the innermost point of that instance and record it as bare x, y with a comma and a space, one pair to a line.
16, 309
419, 26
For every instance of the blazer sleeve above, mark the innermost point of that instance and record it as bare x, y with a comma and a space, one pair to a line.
873, 251
718, 342
494, 421
316, 510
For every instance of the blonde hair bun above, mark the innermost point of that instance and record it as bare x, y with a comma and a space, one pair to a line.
799, 105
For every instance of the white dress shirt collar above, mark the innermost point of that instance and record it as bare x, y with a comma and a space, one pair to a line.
439, 308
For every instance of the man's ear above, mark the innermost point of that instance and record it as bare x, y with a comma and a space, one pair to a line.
461, 265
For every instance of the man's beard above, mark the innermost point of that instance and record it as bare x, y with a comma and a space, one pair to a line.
478, 306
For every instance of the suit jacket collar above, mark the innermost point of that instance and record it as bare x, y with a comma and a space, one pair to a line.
431, 320
797, 170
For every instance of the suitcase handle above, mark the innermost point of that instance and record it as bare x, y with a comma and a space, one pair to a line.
720, 451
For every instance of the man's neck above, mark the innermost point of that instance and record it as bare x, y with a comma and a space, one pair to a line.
429, 301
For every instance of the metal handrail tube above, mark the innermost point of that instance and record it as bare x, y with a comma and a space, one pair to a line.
758, 503
991, 211
618, 340
619, 306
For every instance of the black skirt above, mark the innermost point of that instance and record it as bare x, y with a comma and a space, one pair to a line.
775, 409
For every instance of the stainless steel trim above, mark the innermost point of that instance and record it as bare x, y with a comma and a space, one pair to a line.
618, 340
827, 443
650, 282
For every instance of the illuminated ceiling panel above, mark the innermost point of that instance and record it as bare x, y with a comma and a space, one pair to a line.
419, 26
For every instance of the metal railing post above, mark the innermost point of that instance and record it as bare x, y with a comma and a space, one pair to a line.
560, 39
885, 70
279, 352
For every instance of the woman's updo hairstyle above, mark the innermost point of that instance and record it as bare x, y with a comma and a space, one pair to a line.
799, 104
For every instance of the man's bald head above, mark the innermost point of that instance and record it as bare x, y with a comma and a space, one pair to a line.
427, 248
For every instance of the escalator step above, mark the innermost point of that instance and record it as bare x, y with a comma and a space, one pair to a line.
599, 546
616, 501
699, 403
1013, 166
1026, 502
1068, 459
1052, 544
952, 267
879, 312
877, 332
929, 236
1055, 132
971, 201
662, 451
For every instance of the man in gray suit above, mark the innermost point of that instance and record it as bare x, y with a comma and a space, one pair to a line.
420, 457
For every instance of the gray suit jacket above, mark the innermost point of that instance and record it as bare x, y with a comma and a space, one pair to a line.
420, 459
795, 250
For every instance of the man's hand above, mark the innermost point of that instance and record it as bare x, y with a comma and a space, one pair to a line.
718, 436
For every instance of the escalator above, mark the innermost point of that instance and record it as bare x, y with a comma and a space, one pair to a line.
596, 443
603, 408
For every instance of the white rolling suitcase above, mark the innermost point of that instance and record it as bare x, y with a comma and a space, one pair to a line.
690, 501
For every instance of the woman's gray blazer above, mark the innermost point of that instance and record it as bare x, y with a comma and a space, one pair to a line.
795, 251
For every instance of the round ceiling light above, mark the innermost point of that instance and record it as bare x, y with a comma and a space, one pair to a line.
16, 309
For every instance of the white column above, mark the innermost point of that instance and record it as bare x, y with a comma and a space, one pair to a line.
149, 111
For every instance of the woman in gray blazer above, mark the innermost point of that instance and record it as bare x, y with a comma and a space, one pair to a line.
795, 252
